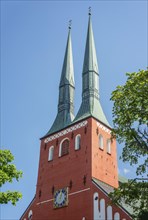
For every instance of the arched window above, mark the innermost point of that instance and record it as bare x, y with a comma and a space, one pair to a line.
50, 154
77, 142
30, 215
109, 146
64, 147
102, 208
116, 216
109, 213
96, 205
101, 141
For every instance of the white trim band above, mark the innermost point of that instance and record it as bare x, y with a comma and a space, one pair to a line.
70, 194
66, 131
49, 200
83, 190
103, 128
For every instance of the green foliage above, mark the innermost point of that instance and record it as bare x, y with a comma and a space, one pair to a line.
130, 118
130, 113
134, 194
8, 172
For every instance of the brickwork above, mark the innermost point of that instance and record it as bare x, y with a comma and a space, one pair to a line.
115, 209
72, 170
104, 165
75, 171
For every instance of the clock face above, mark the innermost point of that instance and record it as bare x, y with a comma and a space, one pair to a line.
61, 198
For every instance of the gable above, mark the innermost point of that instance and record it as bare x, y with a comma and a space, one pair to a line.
103, 209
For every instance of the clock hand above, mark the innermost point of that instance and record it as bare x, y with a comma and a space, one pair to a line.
60, 195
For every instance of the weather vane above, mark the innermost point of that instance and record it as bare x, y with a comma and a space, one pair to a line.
89, 10
70, 23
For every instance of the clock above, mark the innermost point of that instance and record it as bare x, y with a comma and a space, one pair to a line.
61, 198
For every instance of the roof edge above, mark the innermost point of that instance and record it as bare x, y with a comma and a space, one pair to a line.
120, 206
72, 123
27, 207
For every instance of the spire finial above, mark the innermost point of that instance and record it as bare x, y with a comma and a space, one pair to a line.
70, 23
89, 11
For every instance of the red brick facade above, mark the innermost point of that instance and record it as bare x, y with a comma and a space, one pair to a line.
75, 170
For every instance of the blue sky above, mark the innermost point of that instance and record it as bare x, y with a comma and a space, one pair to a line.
33, 41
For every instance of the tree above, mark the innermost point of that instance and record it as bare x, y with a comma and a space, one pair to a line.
8, 172
130, 118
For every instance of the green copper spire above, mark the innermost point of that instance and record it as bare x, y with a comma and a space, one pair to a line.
65, 113
90, 105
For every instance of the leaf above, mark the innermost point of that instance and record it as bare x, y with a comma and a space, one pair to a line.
8, 172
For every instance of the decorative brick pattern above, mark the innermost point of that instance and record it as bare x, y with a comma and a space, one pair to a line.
66, 131
103, 128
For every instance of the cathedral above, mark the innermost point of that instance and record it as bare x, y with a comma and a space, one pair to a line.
78, 160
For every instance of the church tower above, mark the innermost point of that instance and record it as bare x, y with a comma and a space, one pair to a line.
78, 159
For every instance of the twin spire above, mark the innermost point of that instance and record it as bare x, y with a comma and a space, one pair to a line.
90, 105
65, 113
